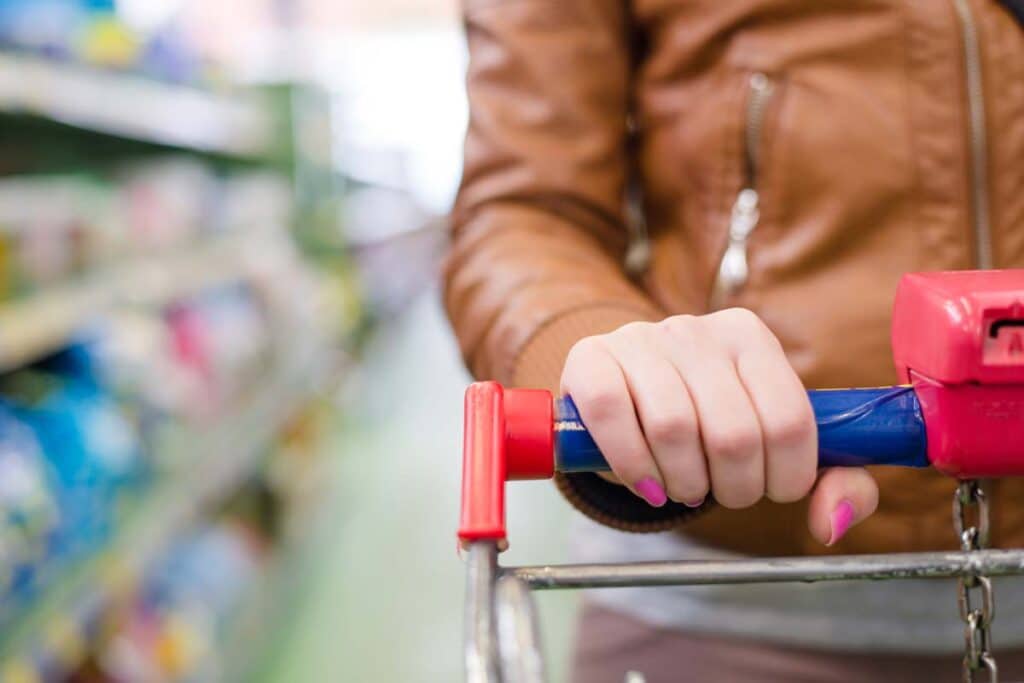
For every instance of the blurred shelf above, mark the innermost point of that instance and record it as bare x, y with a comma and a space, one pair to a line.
41, 323
138, 108
50, 638
252, 635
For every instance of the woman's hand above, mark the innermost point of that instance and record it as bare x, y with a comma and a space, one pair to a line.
694, 404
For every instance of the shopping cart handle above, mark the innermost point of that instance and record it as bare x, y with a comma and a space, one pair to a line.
958, 345
526, 434
855, 427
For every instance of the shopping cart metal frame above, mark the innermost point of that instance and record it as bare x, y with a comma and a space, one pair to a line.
502, 635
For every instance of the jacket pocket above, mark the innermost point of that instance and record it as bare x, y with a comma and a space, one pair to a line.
733, 271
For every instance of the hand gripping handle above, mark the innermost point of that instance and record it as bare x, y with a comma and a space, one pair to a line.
855, 427
525, 434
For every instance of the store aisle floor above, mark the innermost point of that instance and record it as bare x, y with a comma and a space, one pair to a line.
385, 602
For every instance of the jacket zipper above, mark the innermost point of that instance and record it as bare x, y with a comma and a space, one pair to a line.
978, 136
733, 270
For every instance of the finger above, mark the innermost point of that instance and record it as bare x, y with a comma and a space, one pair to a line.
786, 417
844, 496
594, 380
729, 427
667, 415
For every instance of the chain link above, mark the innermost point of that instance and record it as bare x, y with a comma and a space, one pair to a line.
974, 592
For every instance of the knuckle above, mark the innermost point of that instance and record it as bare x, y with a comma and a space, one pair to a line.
599, 402
794, 482
687, 489
633, 329
743, 317
579, 361
739, 444
668, 427
793, 429
684, 333
584, 347
737, 494
793, 487
679, 325
629, 465
742, 320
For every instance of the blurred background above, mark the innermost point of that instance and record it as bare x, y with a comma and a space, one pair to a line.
230, 405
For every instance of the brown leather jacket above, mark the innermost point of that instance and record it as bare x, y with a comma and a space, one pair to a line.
791, 157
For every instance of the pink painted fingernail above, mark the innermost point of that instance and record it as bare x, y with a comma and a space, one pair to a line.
651, 491
841, 519
695, 504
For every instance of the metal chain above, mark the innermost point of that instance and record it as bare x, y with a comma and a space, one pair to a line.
974, 592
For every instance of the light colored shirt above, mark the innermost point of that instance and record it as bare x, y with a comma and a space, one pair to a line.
907, 616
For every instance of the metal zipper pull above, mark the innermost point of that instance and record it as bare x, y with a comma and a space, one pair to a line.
733, 269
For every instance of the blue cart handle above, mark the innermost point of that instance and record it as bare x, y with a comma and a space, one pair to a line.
855, 427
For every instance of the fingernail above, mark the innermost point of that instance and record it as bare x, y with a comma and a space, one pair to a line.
651, 491
841, 519
695, 504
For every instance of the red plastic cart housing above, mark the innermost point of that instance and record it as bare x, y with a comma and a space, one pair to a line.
958, 337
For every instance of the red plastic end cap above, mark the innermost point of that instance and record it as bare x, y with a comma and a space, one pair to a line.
529, 443
482, 515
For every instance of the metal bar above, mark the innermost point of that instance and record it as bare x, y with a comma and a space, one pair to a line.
775, 570
481, 648
519, 643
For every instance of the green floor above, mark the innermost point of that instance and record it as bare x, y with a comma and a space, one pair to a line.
385, 601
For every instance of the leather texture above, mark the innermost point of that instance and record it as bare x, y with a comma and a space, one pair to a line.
584, 109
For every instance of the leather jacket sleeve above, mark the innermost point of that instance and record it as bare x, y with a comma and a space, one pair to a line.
538, 233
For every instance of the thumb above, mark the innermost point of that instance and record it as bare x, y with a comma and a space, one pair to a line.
842, 498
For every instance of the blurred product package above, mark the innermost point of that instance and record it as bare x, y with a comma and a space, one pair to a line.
172, 629
87, 441
199, 600
29, 505
93, 32
82, 430
55, 227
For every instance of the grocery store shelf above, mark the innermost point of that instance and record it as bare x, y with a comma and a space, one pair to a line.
250, 636
136, 107
42, 323
268, 602
51, 636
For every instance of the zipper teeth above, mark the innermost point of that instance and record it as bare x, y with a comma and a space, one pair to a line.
760, 93
978, 135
